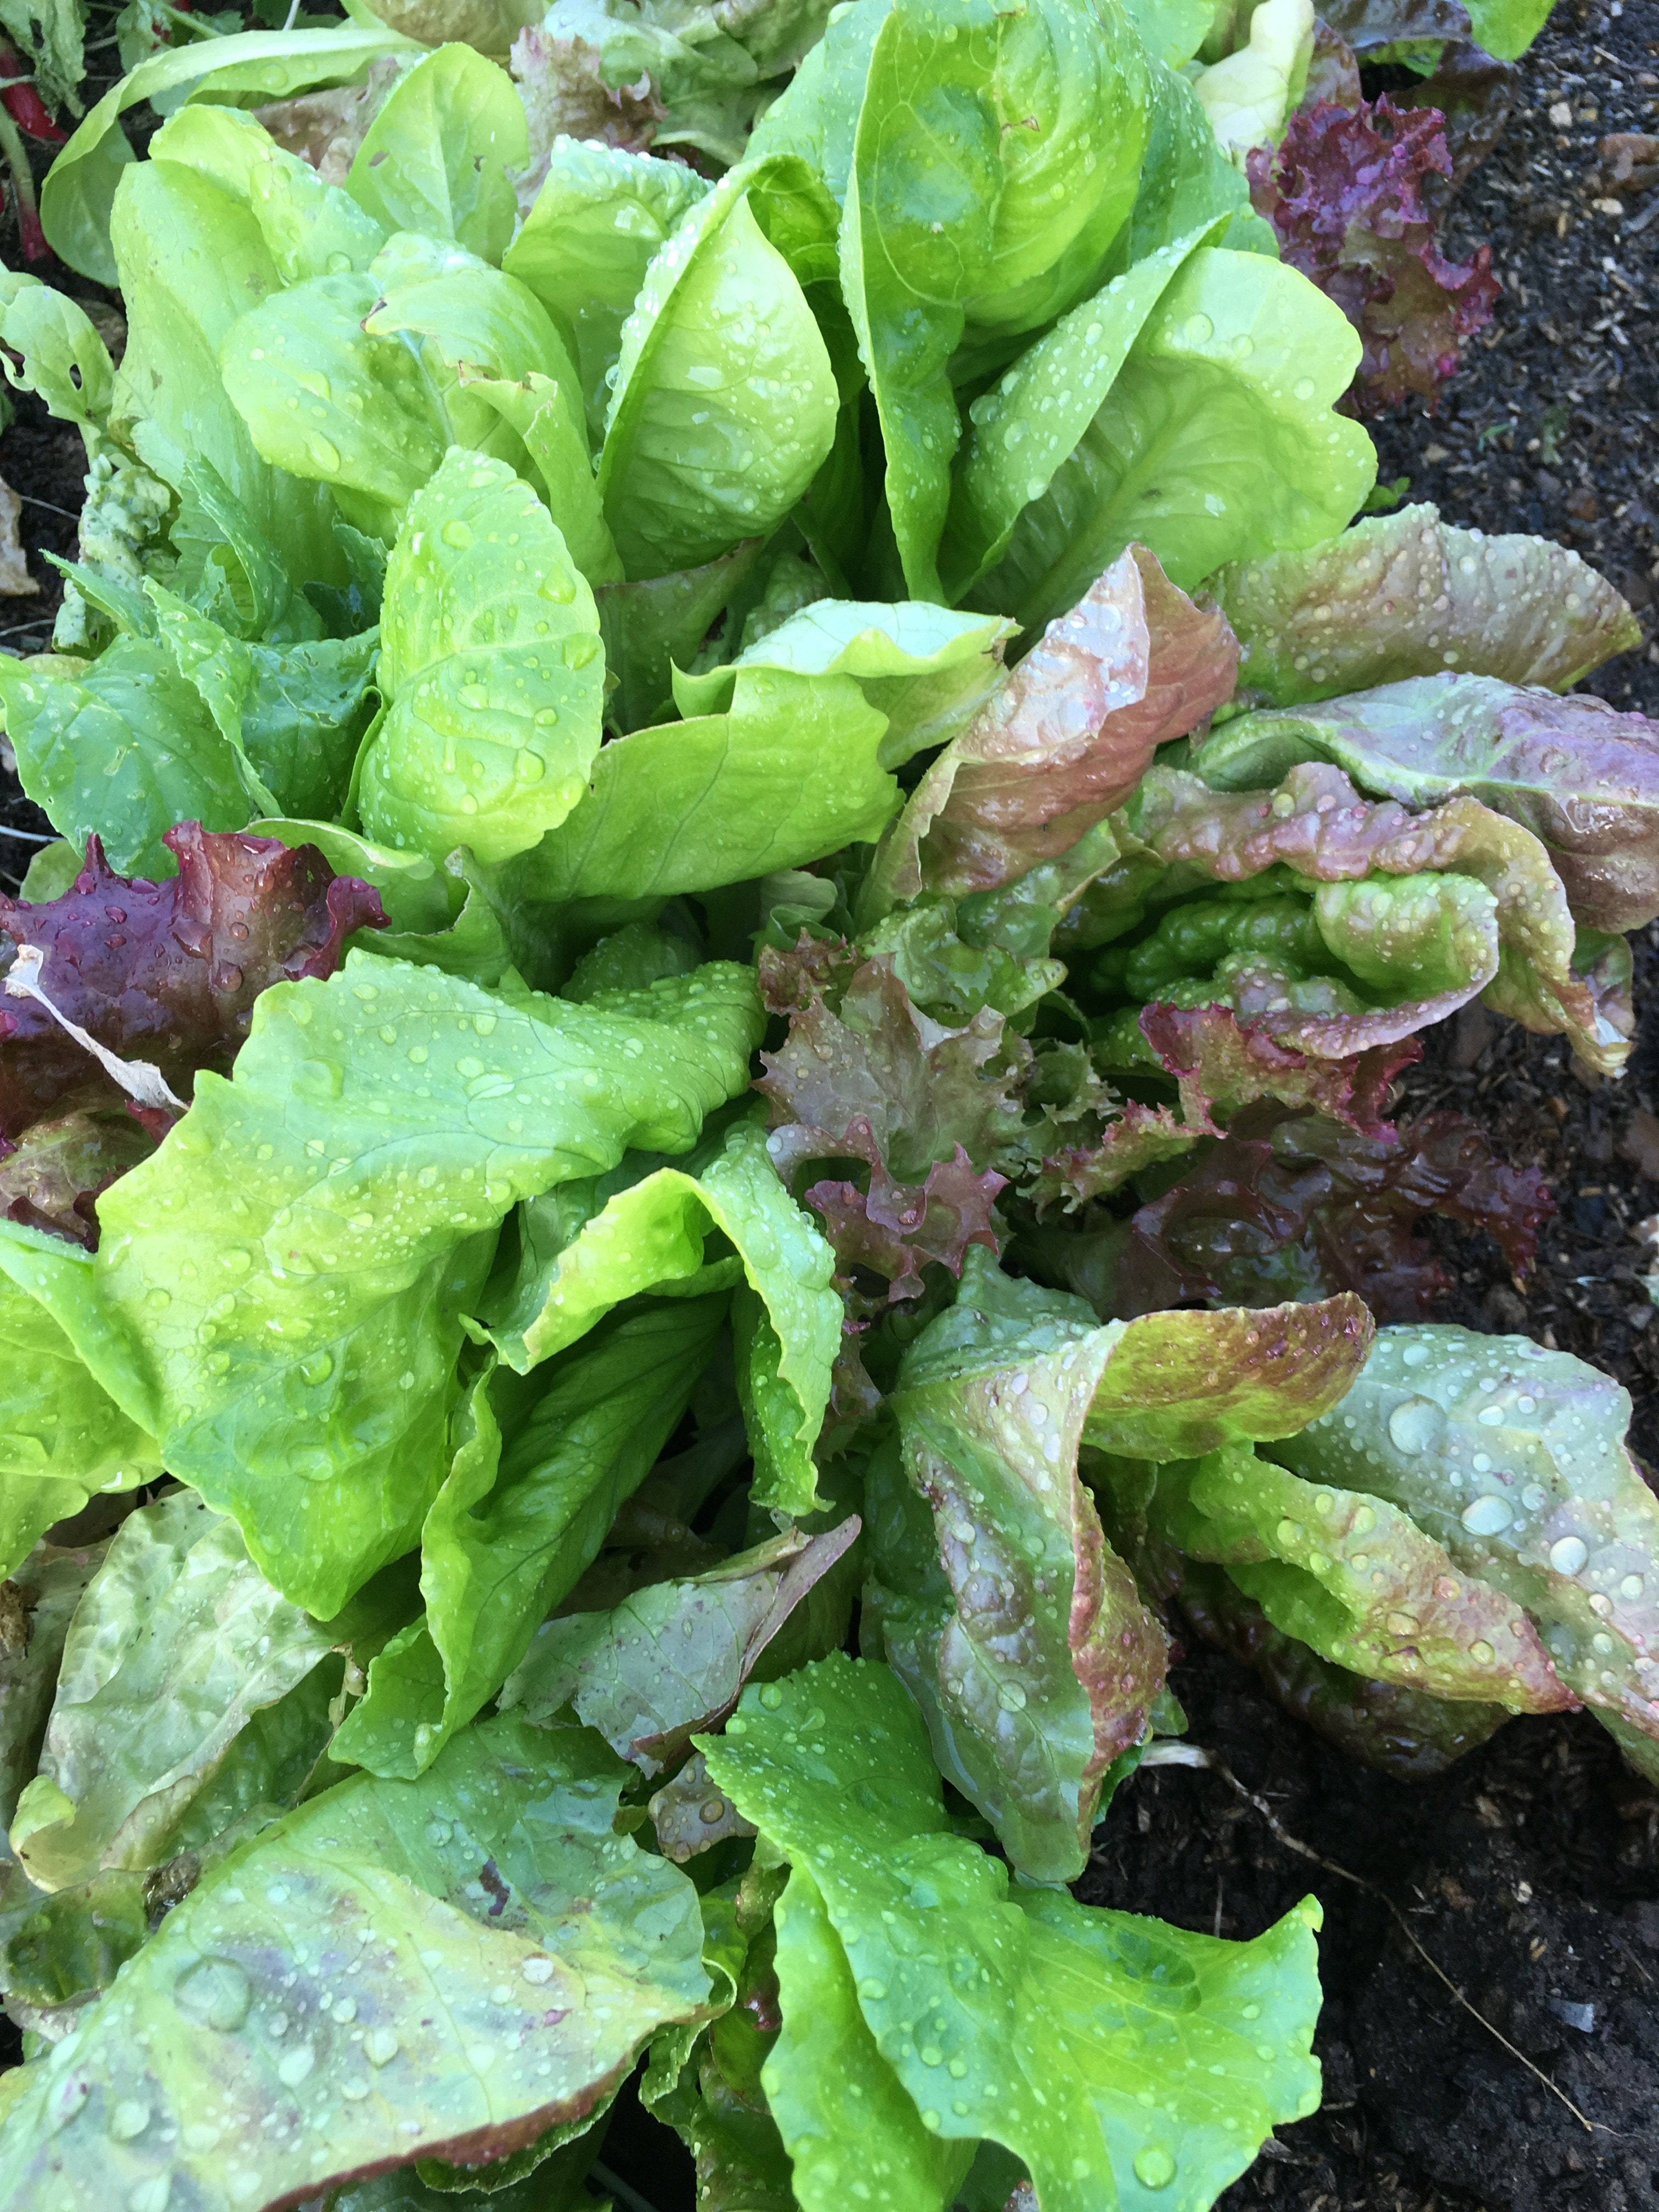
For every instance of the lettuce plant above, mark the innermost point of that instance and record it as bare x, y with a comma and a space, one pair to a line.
777, 852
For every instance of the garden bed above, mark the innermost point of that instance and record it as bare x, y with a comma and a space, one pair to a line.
1530, 1873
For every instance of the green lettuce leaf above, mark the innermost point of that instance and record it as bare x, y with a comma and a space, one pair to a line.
1063, 2019
309, 228
492, 670
962, 220
1248, 93
791, 770
926, 668
674, 1656
1513, 1457
1357, 1579
193, 260
177, 1643
1406, 594
293, 1263
52, 348
1186, 180
653, 626
307, 1963
435, 157
62, 1436
1583, 778
724, 401
583, 249
126, 749
652, 1234
828, 2086
1215, 443
539, 1471
79, 190
1027, 426
545, 417
48, 1584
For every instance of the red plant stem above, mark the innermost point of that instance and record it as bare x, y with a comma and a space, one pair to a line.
15, 154
24, 103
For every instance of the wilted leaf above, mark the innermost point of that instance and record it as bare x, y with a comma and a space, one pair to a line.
51, 1177
674, 1657
16, 582
690, 1814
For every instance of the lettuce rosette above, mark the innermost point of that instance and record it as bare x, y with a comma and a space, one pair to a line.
743, 854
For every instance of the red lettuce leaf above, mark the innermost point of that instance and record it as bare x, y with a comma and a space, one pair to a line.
1066, 736
894, 1229
921, 1090
1222, 1064
1344, 192
1300, 1207
166, 972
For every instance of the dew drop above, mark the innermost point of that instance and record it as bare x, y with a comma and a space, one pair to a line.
1155, 2167
1416, 1425
216, 1992
1487, 1516
1568, 1554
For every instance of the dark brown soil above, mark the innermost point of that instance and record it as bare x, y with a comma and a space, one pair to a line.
1531, 1872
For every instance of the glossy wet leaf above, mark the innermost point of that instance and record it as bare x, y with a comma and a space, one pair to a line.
298, 1979
333, 1361
1057, 2013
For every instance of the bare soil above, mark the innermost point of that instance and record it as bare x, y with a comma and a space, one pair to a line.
1530, 1873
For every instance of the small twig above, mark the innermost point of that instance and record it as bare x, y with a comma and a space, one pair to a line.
1196, 1756
618, 2187
293, 15
29, 499
29, 837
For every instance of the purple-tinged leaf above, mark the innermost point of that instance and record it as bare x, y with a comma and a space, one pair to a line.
1401, 1731
1139, 1138
1583, 777
51, 1178
1016, 1628
1474, 93
1356, 1579
1299, 1206
1221, 1065
1401, 938
895, 1229
1344, 191
1066, 736
1178, 1385
921, 1089
1513, 1457
1406, 594
690, 1813
168, 972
